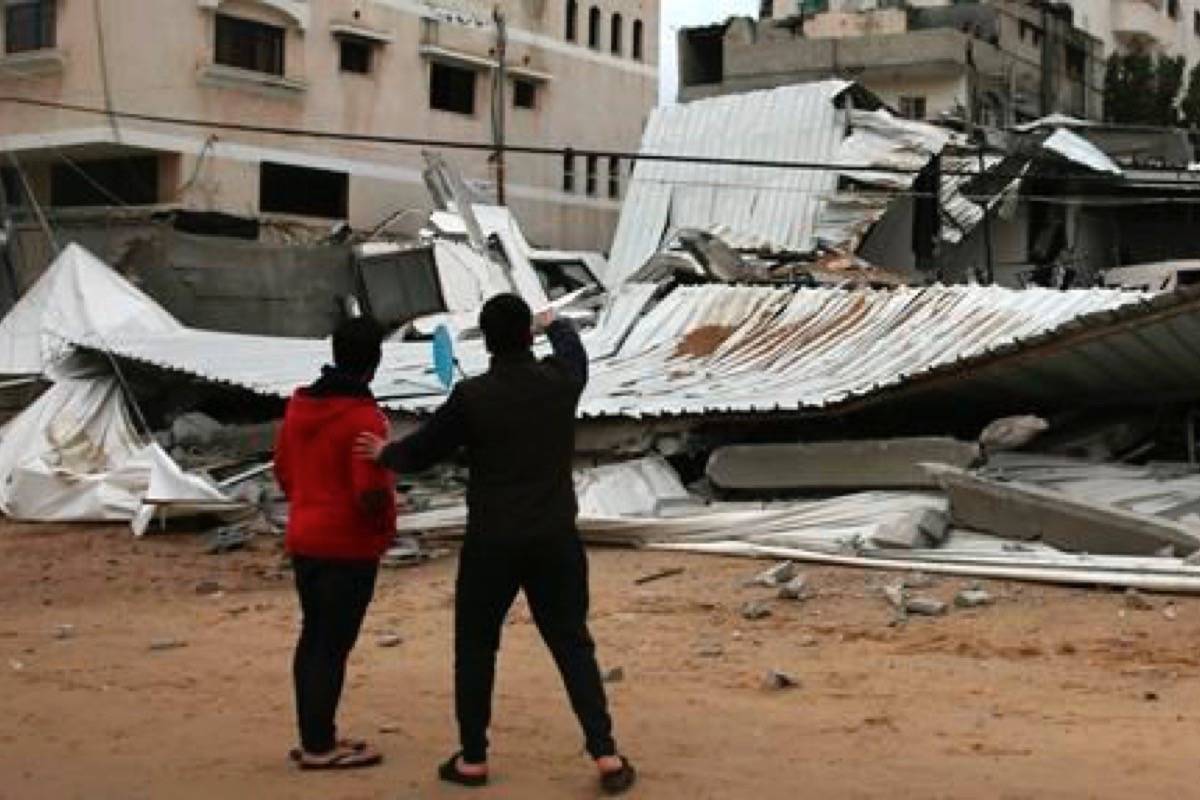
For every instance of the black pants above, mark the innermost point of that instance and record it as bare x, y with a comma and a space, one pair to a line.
553, 573
334, 596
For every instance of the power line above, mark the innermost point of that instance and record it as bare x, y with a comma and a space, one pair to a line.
490, 147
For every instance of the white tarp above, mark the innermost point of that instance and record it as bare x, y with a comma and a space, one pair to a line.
79, 299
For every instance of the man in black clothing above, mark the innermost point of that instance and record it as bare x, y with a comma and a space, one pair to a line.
517, 425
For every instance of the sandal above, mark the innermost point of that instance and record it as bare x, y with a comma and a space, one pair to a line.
296, 753
340, 758
619, 781
450, 773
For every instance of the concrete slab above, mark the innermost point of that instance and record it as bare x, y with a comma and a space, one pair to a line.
865, 464
1024, 512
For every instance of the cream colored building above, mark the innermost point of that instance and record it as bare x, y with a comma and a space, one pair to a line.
580, 74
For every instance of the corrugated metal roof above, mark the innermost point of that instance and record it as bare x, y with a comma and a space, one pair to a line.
734, 349
757, 208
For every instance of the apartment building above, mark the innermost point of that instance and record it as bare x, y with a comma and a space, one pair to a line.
998, 62
578, 74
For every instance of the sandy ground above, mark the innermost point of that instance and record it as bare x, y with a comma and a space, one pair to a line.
1049, 693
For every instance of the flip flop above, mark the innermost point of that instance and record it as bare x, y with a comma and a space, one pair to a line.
450, 773
619, 781
340, 758
296, 753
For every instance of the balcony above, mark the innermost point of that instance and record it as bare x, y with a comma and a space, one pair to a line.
1142, 23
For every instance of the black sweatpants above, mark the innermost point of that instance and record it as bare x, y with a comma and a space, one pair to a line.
553, 573
334, 596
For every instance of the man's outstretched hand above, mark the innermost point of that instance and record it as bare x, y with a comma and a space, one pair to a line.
543, 319
369, 446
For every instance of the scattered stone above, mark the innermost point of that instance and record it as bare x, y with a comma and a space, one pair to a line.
389, 640
895, 595
808, 641
159, 645
208, 588
915, 530
925, 606
1137, 601
237, 611
777, 681
1150, 697
17, 666
776, 576
756, 609
64, 632
614, 675
389, 727
795, 589
711, 651
1170, 612
973, 598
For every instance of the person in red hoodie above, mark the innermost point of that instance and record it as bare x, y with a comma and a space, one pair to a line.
341, 519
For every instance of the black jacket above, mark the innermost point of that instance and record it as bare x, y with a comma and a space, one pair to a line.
517, 423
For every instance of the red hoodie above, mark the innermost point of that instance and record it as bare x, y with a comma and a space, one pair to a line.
324, 481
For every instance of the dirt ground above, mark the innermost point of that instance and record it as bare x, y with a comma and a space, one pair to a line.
1049, 693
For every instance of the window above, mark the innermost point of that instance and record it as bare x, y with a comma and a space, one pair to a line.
638, 53
614, 177
524, 94
572, 20
284, 189
1076, 63
10, 184
1173, 9
593, 163
451, 89
249, 45
615, 41
594, 28
568, 183
912, 107
28, 25
355, 55
107, 182
1196, 22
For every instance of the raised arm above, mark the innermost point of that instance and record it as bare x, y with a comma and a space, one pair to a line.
569, 348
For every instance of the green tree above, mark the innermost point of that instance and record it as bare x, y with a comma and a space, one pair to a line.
1141, 90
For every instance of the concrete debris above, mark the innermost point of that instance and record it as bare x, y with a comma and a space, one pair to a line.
795, 589
1137, 601
973, 598
670, 572
194, 429
614, 675
915, 530
208, 588
894, 593
227, 539
388, 728
925, 606
64, 632
1011, 433
388, 640
848, 465
1031, 513
777, 681
776, 576
756, 609
711, 651
1170, 612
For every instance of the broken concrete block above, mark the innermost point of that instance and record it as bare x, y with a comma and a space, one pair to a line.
925, 606
1012, 433
756, 609
777, 575
1030, 513
866, 464
913, 531
1137, 601
894, 593
973, 598
194, 429
389, 640
777, 681
795, 589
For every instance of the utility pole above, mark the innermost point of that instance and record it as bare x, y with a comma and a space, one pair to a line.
498, 101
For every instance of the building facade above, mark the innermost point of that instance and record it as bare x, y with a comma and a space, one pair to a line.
995, 63
574, 74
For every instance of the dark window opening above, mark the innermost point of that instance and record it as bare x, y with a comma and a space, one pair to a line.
572, 20
284, 189
28, 25
10, 183
616, 42
451, 89
637, 40
594, 28
568, 182
355, 55
1075, 63
246, 44
912, 107
614, 177
1196, 22
524, 94
593, 164
703, 59
1173, 9
110, 182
